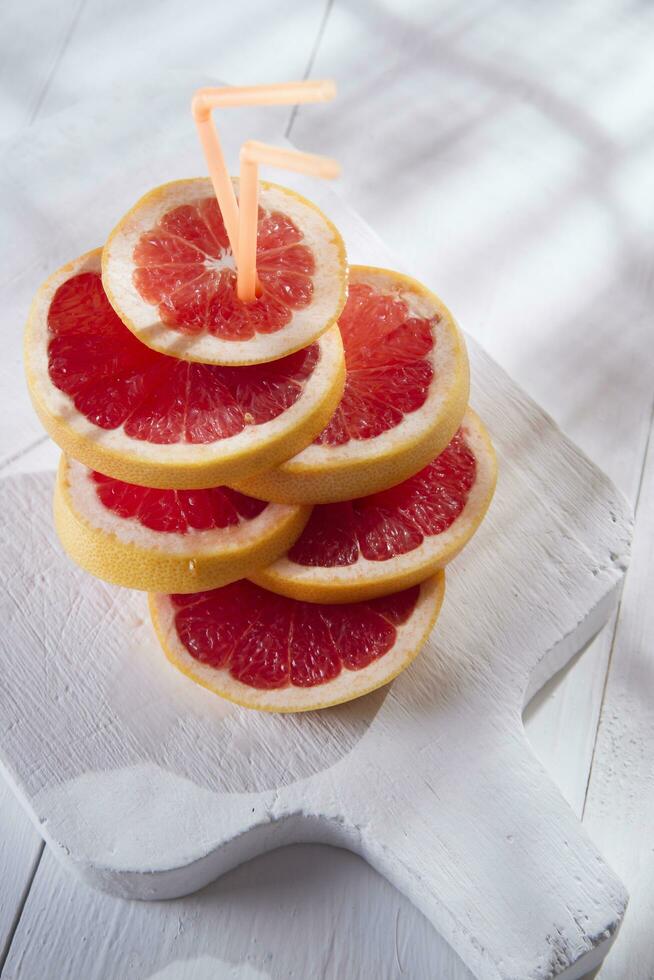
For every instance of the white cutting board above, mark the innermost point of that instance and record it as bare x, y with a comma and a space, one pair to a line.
149, 787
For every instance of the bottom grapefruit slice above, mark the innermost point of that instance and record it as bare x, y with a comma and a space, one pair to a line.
391, 540
275, 654
173, 540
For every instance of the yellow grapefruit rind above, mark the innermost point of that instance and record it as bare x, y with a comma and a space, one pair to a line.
327, 474
350, 684
177, 466
306, 325
194, 565
370, 579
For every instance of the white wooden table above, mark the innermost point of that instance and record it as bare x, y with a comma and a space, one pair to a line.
506, 151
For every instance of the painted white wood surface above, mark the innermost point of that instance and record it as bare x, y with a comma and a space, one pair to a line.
46, 50
20, 851
46, 53
145, 785
310, 911
472, 830
518, 139
54, 54
598, 57
620, 805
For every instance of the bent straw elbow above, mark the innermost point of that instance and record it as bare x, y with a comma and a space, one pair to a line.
283, 93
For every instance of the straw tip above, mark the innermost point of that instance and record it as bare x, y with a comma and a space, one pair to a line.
328, 89
331, 169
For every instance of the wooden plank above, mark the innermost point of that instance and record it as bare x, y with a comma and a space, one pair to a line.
520, 190
305, 912
614, 98
177, 819
618, 812
31, 28
56, 54
212, 39
20, 850
36, 35
77, 44
561, 719
506, 194
572, 564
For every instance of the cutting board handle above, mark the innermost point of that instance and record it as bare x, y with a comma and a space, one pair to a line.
504, 870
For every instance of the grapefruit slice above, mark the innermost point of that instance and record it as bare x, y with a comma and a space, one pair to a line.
405, 394
391, 540
169, 273
172, 540
139, 416
275, 654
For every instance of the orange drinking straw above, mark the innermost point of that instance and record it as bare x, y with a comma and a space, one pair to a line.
206, 99
253, 154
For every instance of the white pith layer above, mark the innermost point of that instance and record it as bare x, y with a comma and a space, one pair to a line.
87, 505
60, 405
433, 548
318, 234
349, 684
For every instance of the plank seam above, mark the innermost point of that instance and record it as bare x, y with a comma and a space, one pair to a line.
312, 57
616, 626
4, 953
23, 452
57, 62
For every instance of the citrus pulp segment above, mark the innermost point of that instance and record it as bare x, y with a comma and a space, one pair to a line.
275, 654
140, 416
391, 540
170, 274
405, 394
173, 540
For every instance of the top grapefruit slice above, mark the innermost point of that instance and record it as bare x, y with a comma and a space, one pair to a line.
139, 416
275, 654
405, 394
169, 273
361, 549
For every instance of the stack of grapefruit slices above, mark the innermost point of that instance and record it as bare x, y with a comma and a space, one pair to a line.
286, 477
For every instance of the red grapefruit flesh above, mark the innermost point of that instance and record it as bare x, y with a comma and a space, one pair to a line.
277, 654
183, 265
176, 511
170, 274
181, 540
405, 393
389, 367
147, 418
393, 522
378, 544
